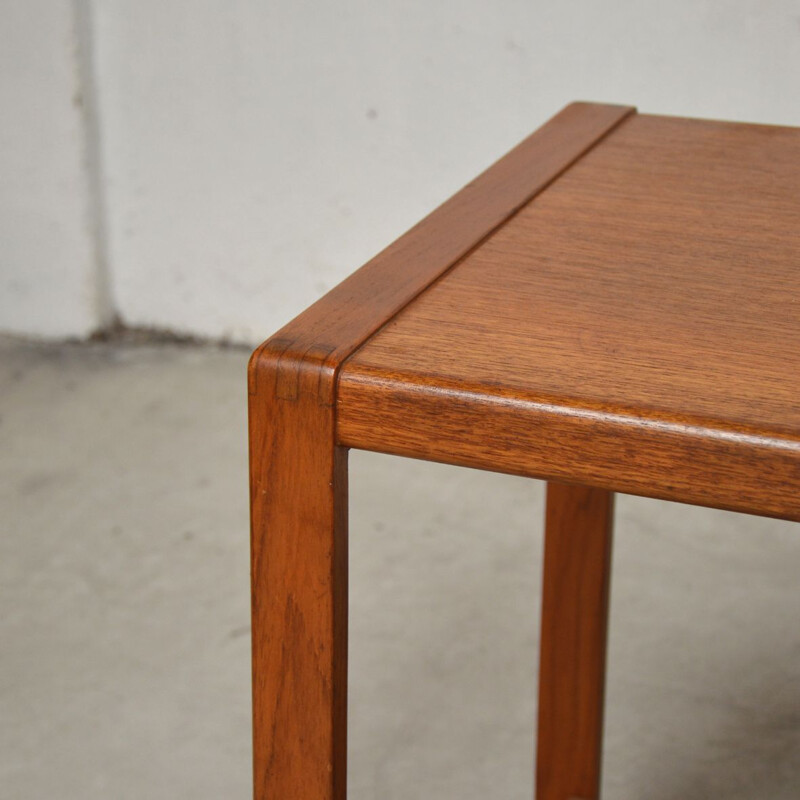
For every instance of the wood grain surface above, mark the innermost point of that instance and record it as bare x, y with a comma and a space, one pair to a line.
575, 591
299, 598
635, 327
298, 478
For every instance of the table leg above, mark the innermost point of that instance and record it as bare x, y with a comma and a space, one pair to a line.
299, 590
577, 565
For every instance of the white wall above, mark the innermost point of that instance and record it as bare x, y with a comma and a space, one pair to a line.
48, 256
255, 153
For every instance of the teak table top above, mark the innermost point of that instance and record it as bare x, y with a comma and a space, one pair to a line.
614, 303
652, 289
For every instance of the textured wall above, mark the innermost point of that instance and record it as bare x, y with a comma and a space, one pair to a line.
253, 154
49, 282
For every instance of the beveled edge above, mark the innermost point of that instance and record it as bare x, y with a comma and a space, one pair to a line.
701, 462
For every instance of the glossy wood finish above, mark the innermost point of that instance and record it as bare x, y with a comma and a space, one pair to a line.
577, 572
635, 327
299, 473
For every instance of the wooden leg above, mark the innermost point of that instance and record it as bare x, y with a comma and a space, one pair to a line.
299, 589
577, 564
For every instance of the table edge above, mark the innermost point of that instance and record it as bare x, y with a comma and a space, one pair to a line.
692, 461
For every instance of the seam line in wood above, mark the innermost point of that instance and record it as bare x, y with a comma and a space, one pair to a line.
478, 243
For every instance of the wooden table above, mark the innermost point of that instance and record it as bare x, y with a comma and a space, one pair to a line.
614, 306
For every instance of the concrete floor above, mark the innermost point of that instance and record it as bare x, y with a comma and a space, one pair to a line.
124, 631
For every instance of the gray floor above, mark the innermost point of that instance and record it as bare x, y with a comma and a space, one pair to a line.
124, 593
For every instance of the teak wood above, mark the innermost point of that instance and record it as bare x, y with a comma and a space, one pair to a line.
612, 304
575, 583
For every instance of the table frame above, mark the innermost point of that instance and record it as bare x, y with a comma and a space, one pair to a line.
298, 460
